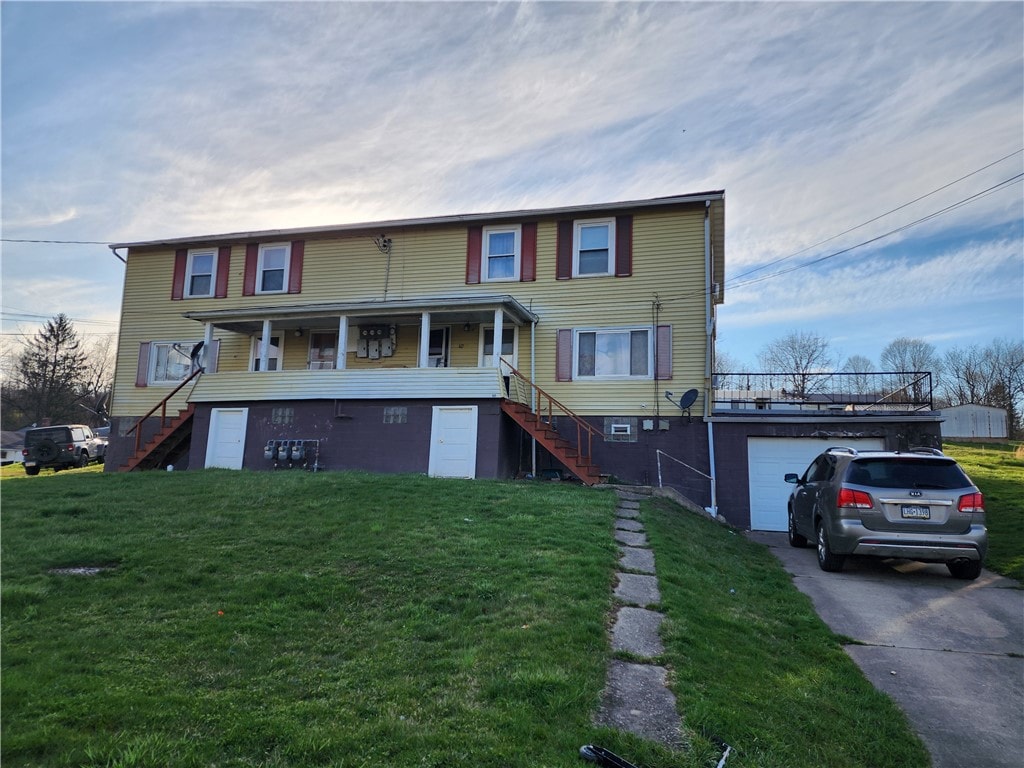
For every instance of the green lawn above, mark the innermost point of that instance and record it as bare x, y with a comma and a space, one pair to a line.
338, 619
998, 470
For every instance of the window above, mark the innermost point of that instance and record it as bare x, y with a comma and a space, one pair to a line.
613, 354
200, 272
501, 250
170, 362
593, 247
323, 349
273, 357
272, 268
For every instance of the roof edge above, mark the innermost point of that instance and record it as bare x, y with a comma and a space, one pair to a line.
386, 224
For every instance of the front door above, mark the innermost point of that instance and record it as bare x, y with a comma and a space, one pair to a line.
453, 441
225, 445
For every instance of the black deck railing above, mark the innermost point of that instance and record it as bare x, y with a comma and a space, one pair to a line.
881, 391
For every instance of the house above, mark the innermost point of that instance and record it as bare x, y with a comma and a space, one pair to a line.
480, 345
974, 422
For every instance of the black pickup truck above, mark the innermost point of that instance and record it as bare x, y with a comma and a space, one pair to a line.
62, 447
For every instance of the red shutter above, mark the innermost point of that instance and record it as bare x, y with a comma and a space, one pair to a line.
295, 270
663, 351
212, 356
623, 246
528, 269
252, 255
223, 270
474, 244
142, 372
178, 282
563, 251
563, 355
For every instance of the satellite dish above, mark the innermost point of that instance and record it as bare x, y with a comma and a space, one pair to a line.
689, 398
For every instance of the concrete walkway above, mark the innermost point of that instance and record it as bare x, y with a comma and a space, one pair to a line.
636, 698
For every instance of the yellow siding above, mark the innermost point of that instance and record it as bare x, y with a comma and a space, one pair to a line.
668, 263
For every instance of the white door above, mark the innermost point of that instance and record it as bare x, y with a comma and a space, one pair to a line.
453, 441
226, 444
768, 461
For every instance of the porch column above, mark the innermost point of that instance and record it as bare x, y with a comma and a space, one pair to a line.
499, 316
424, 360
341, 348
265, 346
207, 341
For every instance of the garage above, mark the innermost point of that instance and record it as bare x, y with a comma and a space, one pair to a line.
768, 461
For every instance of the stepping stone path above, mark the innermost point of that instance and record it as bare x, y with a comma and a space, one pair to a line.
636, 698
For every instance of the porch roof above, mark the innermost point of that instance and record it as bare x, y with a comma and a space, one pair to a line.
454, 309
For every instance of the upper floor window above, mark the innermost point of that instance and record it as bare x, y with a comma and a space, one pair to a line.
272, 268
613, 354
200, 273
593, 247
501, 253
273, 354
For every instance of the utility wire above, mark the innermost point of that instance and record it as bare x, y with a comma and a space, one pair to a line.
971, 198
880, 216
54, 242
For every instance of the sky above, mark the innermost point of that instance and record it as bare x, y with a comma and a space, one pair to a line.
870, 153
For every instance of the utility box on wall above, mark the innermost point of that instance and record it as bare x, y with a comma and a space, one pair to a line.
376, 341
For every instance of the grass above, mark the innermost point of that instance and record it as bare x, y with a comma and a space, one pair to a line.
338, 619
998, 470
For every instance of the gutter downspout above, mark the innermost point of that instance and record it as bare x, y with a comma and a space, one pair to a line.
709, 329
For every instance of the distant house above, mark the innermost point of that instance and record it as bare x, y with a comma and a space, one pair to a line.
974, 422
11, 444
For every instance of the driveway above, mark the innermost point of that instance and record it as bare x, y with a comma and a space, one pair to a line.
950, 653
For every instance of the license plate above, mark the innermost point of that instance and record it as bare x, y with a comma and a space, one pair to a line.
916, 512
30, 463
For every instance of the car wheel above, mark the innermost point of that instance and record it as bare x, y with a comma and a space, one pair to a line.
827, 559
964, 569
31, 471
83, 459
795, 539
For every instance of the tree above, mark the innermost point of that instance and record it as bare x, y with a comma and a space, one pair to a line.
860, 367
46, 380
796, 356
993, 375
912, 356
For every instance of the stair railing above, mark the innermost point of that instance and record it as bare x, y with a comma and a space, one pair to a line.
522, 390
162, 406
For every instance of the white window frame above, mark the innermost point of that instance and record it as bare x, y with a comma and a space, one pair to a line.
264, 247
254, 352
189, 272
517, 253
185, 348
628, 330
320, 364
515, 344
577, 239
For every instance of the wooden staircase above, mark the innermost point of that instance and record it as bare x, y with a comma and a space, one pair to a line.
174, 434
540, 423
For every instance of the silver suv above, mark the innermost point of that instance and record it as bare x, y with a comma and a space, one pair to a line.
918, 505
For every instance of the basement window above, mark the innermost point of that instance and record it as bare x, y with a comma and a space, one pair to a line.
620, 430
396, 414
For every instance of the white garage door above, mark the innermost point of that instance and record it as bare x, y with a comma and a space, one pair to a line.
770, 458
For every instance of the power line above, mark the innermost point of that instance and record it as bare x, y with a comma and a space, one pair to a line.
54, 242
880, 216
971, 198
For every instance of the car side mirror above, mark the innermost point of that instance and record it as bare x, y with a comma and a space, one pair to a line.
792, 477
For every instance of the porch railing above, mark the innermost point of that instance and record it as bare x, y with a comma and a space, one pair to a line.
162, 407
522, 390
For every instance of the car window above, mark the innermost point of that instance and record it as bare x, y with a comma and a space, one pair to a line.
905, 472
57, 434
77, 434
821, 469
